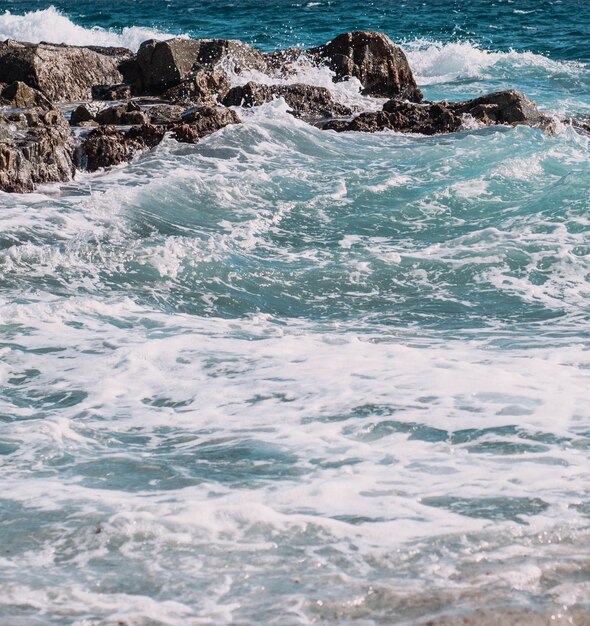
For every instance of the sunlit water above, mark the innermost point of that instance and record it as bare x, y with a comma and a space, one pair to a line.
288, 376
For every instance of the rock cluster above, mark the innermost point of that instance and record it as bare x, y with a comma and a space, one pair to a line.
124, 103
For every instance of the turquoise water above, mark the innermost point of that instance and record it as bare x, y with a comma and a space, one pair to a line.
288, 376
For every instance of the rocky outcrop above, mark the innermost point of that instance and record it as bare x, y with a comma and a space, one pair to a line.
18, 95
106, 146
503, 107
431, 118
375, 60
200, 122
161, 65
35, 148
304, 100
202, 87
62, 73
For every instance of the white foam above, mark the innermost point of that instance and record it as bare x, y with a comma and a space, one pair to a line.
436, 62
51, 26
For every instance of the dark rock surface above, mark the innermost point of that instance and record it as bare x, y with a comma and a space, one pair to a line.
203, 87
304, 100
375, 60
121, 91
18, 95
200, 122
62, 73
35, 147
106, 146
122, 115
503, 107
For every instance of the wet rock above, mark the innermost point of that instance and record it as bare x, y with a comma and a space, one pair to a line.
200, 122
62, 73
35, 148
503, 107
304, 100
122, 115
83, 114
375, 60
203, 87
403, 117
121, 91
284, 62
106, 146
18, 95
161, 65
165, 113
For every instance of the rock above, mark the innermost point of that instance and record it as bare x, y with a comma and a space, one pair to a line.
203, 87
122, 115
107, 146
161, 65
375, 60
283, 62
200, 122
85, 113
62, 73
121, 91
35, 148
304, 100
18, 95
165, 114
504, 107
164, 64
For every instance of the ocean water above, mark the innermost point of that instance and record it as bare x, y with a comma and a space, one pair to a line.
288, 376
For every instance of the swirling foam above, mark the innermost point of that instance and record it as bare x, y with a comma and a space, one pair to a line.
50, 25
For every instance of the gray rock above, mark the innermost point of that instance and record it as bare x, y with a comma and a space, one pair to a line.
203, 87
35, 148
375, 60
62, 73
304, 100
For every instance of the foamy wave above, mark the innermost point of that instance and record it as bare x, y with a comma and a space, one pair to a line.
437, 62
50, 25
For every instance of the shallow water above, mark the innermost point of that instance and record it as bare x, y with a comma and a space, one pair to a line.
289, 376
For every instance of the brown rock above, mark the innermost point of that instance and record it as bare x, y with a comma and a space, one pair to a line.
198, 123
375, 60
18, 95
121, 91
35, 148
304, 100
202, 87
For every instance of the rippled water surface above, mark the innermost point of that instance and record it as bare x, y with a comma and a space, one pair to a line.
288, 376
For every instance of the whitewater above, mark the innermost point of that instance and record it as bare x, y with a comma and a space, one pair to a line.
288, 376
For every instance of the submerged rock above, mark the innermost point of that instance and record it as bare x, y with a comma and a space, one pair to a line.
380, 65
200, 122
106, 146
304, 100
62, 73
35, 148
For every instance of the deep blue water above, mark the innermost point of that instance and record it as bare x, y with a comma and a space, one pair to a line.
288, 376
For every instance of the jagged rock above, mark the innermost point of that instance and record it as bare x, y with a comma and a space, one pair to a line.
18, 95
200, 122
283, 62
503, 107
304, 100
121, 91
161, 65
203, 86
123, 114
62, 73
375, 60
106, 146
84, 113
165, 113
35, 148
